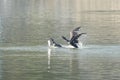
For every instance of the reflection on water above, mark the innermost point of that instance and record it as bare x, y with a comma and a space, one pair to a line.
35, 21
92, 62
49, 55
26, 25
1, 67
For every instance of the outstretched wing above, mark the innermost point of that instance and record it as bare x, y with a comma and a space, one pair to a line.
74, 32
75, 38
65, 39
77, 29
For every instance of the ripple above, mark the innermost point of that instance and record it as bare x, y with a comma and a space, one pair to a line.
24, 48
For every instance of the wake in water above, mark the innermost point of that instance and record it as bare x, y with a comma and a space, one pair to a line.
24, 48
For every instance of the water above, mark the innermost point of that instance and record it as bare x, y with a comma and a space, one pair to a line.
93, 62
26, 25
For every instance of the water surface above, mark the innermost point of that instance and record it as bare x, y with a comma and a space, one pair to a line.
26, 25
94, 62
